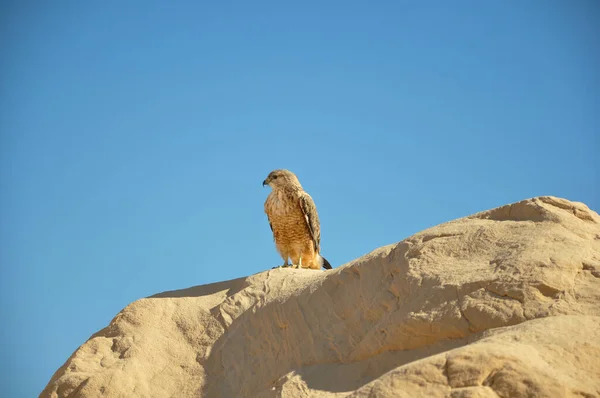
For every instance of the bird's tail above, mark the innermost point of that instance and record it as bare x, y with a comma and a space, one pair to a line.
324, 263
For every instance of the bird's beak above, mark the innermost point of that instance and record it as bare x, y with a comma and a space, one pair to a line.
265, 183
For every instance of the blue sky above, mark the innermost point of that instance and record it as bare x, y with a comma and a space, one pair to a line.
134, 139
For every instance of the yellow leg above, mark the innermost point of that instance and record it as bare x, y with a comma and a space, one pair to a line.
299, 265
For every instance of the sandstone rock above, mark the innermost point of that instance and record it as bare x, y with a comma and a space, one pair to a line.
502, 303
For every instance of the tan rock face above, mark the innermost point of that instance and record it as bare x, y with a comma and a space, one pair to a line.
502, 303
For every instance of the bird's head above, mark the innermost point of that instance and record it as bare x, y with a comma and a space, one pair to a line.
278, 179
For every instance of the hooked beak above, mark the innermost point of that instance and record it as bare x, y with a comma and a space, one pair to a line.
265, 183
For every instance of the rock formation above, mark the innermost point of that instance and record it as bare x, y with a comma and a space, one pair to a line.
501, 303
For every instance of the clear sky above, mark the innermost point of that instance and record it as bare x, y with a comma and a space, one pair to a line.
135, 138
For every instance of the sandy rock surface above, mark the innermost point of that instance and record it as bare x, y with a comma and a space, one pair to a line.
502, 303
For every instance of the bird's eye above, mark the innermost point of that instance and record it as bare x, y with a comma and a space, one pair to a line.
275, 177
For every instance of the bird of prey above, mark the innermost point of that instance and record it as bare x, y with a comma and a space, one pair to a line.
294, 221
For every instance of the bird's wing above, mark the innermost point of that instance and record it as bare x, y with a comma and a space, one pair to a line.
307, 205
268, 216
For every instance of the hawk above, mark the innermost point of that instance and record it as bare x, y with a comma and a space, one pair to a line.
294, 221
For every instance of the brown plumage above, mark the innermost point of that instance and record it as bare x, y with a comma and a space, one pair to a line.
294, 221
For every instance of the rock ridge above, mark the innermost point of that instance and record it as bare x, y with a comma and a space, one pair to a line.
505, 302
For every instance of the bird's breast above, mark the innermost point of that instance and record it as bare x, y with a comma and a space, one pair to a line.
277, 204
287, 221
